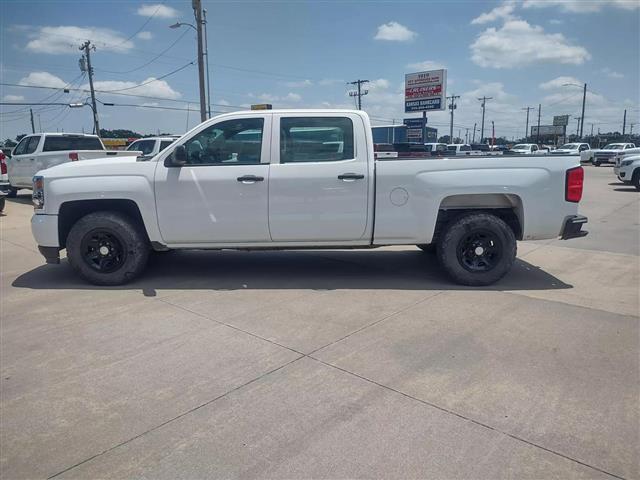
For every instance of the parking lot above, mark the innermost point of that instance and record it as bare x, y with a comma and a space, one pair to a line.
327, 364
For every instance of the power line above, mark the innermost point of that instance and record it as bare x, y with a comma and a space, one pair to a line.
150, 81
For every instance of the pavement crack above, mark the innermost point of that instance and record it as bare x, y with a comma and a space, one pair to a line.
177, 417
466, 418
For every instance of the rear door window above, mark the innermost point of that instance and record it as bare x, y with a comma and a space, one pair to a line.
65, 143
316, 139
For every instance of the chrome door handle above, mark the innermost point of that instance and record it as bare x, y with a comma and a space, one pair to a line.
350, 176
250, 179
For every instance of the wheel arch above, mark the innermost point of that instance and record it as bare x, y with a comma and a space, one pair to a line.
506, 206
72, 211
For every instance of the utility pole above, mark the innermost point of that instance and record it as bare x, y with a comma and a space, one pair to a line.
526, 129
591, 130
87, 47
631, 129
466, 136
474, 133
206, 52
493, 133
452, 107
484, 101
33, 125
578, 129
197, 11
538, 132
584, 100
360, 93
624, 122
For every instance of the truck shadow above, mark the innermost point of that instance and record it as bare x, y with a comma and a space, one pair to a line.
314, 270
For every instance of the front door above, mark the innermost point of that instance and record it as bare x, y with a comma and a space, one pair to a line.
221, 194
319, 185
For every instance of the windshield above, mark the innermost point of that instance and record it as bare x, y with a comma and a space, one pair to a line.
570, 146
614, 146
520, 147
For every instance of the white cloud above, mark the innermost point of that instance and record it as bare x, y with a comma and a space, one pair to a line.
159, 88
145, 35
13, 98
426, 65
325, 82
582, 6
380, 83
395, 32
555, 21
298, 84
43, 79
158, 11
504, 11
518, 43
294, 97
67, 39
612, 73
558, 82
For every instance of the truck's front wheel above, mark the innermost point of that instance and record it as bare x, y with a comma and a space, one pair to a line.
107, 248
477, 249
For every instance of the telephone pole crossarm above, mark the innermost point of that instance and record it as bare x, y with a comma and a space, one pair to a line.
360, 92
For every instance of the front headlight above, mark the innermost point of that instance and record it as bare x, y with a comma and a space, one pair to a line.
626, 163
38, 193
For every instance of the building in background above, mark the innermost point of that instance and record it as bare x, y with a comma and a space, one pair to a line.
398, 134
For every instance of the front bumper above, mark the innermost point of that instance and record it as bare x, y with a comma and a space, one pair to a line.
573, 227
45, 229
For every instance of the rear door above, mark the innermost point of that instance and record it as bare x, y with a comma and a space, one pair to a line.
319, 178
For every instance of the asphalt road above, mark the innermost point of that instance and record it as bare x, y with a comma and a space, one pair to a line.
327, 364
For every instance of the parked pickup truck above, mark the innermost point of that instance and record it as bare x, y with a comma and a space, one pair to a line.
43, 150
608, 153
151, 146
291, 179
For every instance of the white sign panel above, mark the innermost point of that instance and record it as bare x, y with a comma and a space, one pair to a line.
425, 91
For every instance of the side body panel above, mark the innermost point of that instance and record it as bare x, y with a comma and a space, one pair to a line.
409, 194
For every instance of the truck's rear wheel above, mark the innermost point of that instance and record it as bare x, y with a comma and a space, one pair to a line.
635, 179
107, 248
477, 249
427, 247
12, 192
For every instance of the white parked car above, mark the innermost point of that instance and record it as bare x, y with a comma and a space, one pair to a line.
43, 150
627, 167
292, 179
151, 146
458, 149
609, 152
571, 149
527, 149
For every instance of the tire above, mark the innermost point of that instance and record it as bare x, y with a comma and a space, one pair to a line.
635, 179
477, 249
596, 163
125, 254
2, 203
12, 192
427, 247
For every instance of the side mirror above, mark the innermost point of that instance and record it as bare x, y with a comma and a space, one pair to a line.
177, 158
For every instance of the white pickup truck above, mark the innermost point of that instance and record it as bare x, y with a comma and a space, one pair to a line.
609, 152
292, 179
43, 150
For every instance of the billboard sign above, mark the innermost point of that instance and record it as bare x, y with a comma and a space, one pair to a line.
412, 122
547, 130
425, 91
561, 120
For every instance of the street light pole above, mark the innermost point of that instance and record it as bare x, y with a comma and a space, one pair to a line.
206, 52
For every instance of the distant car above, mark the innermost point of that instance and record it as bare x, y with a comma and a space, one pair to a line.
151, 146
609, 152
436, 149
571, 149
458, 149
627, 169
40, 151
499, 148
528, 149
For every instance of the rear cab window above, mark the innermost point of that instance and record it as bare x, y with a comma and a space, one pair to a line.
66, 143
144, 146
316, 139
164, 144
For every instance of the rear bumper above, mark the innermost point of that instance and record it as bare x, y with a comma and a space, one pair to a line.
573, 227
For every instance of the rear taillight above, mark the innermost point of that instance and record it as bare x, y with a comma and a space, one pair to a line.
574, 184
73, 156
3, 164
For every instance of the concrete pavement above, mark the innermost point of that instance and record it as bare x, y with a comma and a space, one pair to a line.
327, 364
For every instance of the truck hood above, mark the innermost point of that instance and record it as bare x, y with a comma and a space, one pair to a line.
98, 166
565, 151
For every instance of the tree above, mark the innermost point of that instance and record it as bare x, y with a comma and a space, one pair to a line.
9, 143
119, 133
20, 137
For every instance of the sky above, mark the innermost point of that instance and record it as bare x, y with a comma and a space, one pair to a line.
297, 54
